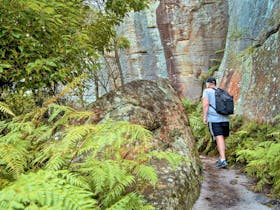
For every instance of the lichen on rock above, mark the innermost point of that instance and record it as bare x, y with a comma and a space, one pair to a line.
156, 106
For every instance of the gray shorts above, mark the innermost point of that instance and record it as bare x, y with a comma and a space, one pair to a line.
218, 129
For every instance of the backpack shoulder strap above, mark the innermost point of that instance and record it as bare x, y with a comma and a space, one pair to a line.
215, 89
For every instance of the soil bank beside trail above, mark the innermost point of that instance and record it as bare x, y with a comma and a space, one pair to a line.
226, 189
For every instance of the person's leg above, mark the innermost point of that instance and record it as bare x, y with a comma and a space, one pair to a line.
220, 140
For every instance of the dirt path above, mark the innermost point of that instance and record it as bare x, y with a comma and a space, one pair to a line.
226, 189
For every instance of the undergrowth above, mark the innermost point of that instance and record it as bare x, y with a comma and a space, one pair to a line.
251, 145
54, 158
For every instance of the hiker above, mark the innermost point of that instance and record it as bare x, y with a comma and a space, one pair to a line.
218, 124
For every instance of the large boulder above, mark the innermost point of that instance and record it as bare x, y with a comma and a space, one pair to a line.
156, 105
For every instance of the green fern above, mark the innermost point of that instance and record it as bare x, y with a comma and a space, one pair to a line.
48, 189
258, 147
107, 164
4, 108
147, 173
173, 159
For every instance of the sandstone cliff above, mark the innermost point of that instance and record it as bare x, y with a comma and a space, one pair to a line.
145, 57
250, 69
193, 35
192, 31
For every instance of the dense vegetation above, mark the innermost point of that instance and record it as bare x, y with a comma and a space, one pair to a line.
55, 158
46, 44
51, 155
253, 146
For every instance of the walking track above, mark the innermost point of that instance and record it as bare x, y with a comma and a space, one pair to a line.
227, 189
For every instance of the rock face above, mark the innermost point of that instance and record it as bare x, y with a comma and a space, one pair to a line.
145, 57
157, 106
192, 31
175, 39
250, 68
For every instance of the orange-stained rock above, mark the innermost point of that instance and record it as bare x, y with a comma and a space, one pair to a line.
232, 84
250, 68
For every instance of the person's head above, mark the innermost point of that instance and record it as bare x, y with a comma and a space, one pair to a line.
211, 82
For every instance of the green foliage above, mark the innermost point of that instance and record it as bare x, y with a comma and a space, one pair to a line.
237, 33
5, 109
49, 189
249, 50
204, 141
54, 158
122, 43
19, 102
216, 62
121, 8
47, 43
257, 146
37, 37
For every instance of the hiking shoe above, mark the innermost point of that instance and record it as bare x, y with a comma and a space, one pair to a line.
221, 164
218, 162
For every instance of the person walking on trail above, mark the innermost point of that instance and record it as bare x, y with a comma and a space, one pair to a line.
218, 124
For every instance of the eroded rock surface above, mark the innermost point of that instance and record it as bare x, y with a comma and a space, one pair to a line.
156, 105
192, 33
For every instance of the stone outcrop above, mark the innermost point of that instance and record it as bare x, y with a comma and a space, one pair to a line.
250, 68
156, 105
192, 31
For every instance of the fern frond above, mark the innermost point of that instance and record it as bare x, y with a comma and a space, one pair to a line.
131, 201
106, 161
5, 109
147, 173
56, 162
14, 156
173, 159
117, 190
73, 179
46, 189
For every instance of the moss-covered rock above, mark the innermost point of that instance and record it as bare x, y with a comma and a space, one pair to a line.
157, 106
